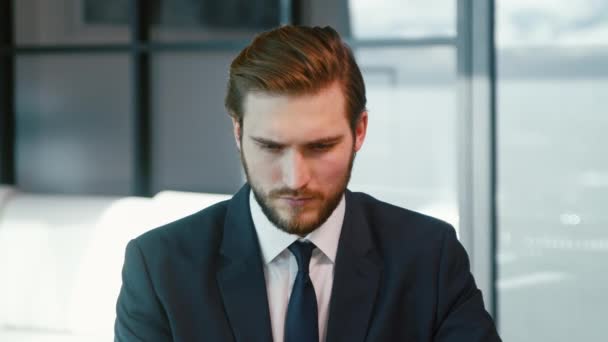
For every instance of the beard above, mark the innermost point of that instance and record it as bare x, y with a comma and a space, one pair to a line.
294, 224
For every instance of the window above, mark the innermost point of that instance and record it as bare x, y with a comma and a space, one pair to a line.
553, 170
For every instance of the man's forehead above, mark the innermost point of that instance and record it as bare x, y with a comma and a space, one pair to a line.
326, 98
294, 134
295, 118
333, 90
258, 99
261, 97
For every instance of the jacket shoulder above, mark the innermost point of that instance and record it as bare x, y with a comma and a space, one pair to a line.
394, 226
195, 231
391, 214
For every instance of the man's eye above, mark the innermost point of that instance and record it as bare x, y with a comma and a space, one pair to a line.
321, 147
271, 147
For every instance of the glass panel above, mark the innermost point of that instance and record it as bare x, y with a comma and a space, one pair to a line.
553, 170
555, 23
71, 21
402, 18
74, 127
193, 147
210, 19
322, 13
410, 154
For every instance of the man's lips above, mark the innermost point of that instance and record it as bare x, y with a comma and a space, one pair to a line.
296, 201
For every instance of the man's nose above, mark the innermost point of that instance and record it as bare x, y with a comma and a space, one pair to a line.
296, 173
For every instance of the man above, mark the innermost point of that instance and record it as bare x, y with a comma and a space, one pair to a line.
294, 256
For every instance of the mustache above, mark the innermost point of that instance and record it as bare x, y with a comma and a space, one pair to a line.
286, 192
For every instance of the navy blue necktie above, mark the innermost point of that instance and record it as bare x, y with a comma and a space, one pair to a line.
302, 321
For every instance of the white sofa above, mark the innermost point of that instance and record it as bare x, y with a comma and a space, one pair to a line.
61, 258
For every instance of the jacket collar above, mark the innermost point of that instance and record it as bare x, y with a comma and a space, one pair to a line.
357, 276
241, 274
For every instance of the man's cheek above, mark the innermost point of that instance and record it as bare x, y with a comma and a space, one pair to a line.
335, 168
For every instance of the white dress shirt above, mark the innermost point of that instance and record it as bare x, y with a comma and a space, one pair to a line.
280, 266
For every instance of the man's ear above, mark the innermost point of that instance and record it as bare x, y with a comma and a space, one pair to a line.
236, 128
360, 131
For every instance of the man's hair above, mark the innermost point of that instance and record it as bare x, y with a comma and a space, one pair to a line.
295, 60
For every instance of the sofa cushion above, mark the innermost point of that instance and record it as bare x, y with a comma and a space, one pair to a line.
60, 261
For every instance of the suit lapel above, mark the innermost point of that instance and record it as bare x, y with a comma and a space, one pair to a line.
241, 274
356, 277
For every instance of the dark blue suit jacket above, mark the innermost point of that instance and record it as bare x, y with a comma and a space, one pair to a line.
399, 276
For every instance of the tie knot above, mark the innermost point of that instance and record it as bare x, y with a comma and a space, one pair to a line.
302, 250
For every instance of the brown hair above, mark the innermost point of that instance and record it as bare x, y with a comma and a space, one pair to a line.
296, 60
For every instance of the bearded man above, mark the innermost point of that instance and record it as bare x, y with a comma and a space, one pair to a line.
294, 255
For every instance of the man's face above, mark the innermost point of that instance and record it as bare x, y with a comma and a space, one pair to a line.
297, 152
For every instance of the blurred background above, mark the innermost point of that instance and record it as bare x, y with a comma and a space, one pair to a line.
490, 114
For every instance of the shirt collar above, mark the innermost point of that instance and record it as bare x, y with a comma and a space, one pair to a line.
273, 241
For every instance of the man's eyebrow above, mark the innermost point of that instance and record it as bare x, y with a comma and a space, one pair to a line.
328, 140
325, 140
265, 141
